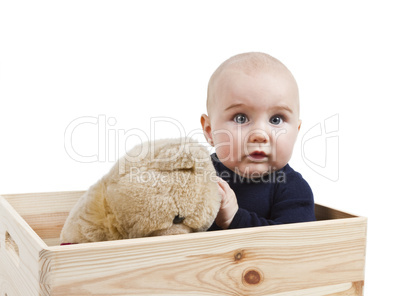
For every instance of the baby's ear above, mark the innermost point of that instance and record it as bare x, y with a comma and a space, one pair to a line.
206, 127
300, 122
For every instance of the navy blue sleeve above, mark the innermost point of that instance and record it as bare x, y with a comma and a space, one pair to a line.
293, 202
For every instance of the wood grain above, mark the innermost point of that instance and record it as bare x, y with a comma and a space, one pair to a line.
18, 270
316, 258
326, 213
286, 258
45, 212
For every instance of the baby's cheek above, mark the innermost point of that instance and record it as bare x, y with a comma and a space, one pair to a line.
224, 153
224, 144
284, 148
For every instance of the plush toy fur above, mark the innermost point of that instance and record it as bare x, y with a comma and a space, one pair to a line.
158, 188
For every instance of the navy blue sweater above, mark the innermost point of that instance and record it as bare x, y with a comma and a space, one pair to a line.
280, 197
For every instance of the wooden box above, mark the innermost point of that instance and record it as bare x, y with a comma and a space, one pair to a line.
325, 257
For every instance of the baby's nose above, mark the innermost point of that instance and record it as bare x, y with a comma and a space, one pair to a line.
259, 136
178, 219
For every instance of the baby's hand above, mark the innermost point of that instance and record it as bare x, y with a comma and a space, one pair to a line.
228, 207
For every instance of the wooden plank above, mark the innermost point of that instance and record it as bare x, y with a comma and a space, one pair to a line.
19, 254
47, 225
326, 213
44, 212
345, 289
43, 202
257, 261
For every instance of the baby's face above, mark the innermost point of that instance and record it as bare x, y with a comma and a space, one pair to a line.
253, 121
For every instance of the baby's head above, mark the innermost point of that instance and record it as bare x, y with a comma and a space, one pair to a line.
253, 114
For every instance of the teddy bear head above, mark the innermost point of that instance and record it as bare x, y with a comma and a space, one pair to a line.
171, 190
158, 188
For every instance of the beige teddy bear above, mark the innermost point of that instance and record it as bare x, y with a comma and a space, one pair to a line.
158, 188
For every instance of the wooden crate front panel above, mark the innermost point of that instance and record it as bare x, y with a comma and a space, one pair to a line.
258, 261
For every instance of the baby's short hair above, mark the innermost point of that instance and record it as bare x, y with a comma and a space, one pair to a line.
248, 62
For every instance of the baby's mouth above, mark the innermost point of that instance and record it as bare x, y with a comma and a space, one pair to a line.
258, 156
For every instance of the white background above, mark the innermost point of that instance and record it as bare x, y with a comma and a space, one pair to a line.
118, 64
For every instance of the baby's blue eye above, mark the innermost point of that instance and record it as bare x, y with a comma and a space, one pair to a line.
276, 120
240, 118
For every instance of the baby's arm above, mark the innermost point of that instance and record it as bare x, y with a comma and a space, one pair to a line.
293, 202
229, 206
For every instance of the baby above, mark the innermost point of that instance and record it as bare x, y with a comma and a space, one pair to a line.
253, 122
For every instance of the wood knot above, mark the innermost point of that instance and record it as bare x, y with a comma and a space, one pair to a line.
252, 277
239, 255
